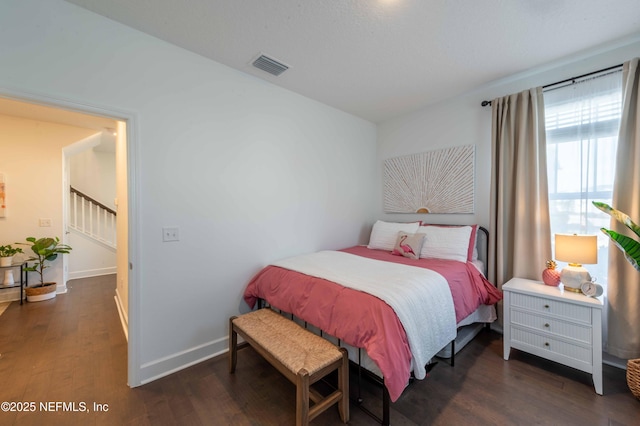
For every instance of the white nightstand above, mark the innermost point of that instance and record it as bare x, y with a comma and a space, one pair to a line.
555, 324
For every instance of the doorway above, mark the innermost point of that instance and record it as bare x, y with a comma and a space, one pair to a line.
66, 113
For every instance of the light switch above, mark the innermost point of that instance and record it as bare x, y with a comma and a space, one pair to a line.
45, 222
170, 234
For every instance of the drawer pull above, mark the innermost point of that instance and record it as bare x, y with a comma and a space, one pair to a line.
546, 344
547, 325
546, 306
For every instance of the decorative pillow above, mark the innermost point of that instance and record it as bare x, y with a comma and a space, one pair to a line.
408, 245
451, 243
472, 254
384, 234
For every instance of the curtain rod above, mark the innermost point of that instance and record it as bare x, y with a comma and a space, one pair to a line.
572, 79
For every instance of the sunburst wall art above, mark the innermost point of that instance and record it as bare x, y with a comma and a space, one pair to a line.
439, 181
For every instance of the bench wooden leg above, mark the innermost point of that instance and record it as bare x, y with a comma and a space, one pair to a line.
343, 386
302, 398
305, 413
233, 347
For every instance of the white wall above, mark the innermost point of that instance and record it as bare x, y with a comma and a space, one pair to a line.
249, 172
89, 258
31, 159
93, 173
462, 121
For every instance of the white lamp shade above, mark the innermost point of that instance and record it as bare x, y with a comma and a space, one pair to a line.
577, 249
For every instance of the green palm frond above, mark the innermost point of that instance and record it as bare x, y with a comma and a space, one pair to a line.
629, 246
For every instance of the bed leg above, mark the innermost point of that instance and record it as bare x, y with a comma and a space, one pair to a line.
233, 346
453, 352
386, 402
359, 376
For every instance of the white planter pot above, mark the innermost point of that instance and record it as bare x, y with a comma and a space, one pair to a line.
8, 277
6, 261
41, 297
38, 294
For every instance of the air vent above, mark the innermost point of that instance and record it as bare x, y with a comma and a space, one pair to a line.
270, 65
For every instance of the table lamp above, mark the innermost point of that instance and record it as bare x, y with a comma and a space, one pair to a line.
576, 249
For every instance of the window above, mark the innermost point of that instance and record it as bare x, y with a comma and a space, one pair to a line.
582, 121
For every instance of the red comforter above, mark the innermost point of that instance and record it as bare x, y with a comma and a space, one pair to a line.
363, 320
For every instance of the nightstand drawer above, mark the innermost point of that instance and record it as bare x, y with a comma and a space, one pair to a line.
578, 332
570, 311
548, 344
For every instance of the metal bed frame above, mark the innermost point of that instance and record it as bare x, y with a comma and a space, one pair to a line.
364, 372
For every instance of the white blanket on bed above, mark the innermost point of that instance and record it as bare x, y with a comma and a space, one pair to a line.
420, 297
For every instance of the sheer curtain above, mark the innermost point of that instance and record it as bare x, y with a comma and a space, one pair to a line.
624, 284
520, 240
582, 119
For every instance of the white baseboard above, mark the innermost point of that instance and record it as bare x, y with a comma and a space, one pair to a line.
614, 361
154, 370
497, 327
92, 273
463, 336
124, 318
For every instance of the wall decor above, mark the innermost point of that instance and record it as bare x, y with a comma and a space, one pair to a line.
440, 181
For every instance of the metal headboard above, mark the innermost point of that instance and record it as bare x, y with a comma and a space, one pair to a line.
482, 244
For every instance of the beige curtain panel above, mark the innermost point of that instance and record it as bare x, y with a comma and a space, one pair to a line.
623, 293
520, 233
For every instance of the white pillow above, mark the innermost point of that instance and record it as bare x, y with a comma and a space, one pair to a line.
446, 243
384, 234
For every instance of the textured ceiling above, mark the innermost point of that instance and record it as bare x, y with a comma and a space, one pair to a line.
380, 58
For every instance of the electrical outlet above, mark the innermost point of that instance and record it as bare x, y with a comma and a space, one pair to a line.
45, 222
170, 234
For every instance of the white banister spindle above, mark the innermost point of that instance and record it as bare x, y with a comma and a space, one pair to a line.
84, 229
99, 222
92, 219
73, 210
113, 228
103, 225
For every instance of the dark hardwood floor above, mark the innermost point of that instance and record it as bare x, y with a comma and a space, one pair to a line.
72, 350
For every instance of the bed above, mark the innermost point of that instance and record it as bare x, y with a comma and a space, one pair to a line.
401, 300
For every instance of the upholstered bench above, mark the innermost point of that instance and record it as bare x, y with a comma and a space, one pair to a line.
301, 356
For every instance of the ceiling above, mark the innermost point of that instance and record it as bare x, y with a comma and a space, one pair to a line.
31, 111
54, 115
378, 59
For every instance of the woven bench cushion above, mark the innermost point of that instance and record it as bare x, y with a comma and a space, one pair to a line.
293, 346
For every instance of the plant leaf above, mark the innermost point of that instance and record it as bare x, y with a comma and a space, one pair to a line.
629, 246
619, 216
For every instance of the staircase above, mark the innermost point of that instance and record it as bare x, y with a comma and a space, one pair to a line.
92, 219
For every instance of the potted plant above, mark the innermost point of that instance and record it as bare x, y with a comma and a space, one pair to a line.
6, 254
45, 249
631, 249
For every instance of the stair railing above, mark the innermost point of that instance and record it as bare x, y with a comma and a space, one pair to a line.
92, 218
